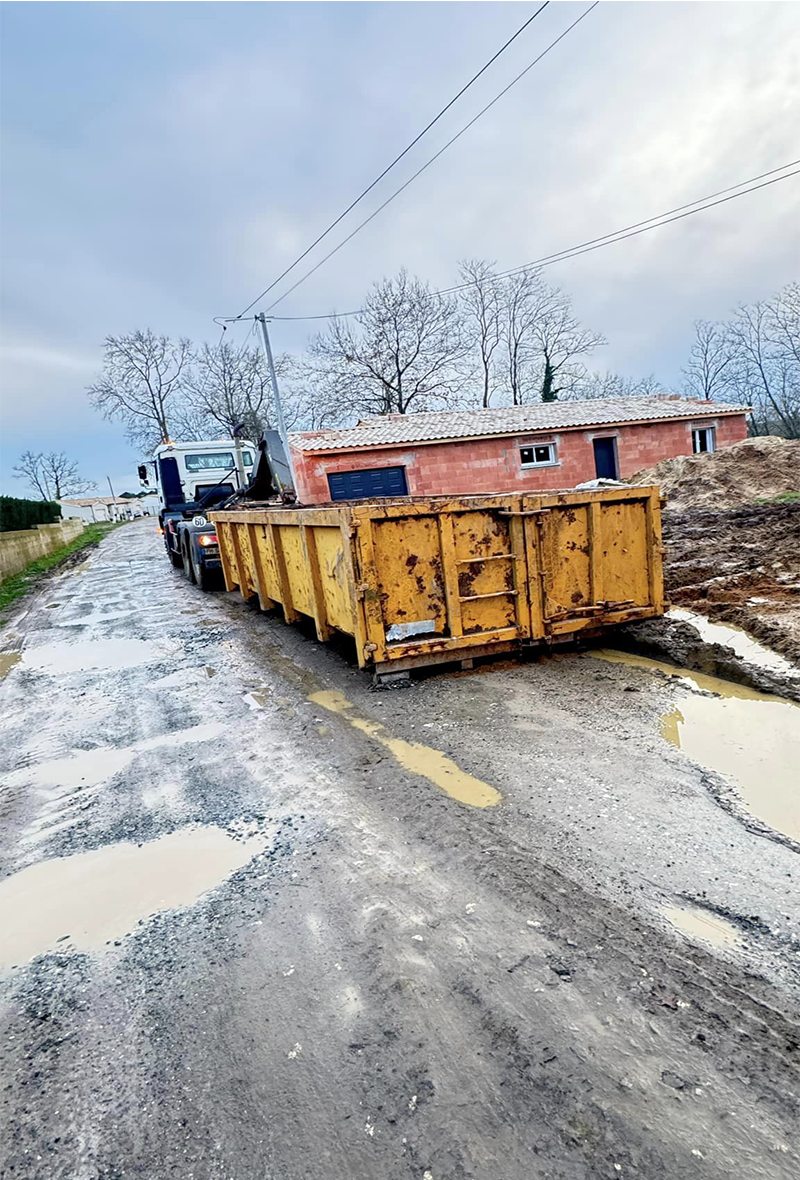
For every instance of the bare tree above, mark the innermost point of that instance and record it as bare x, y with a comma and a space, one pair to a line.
708, 372
483, 304
53, 476
228, 387
522, 303
560, 339
591, 386
543, 338
142, 376
403, 351
766, 372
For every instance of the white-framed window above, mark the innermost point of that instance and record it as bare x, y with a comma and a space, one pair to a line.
703, 439
538, 455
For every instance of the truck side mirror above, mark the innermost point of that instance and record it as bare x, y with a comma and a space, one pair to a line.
143, 473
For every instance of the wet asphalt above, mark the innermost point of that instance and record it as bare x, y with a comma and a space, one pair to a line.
260, 921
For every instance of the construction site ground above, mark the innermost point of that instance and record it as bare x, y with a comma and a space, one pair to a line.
261, 921
739, 566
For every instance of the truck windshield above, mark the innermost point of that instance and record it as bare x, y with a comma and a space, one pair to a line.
215, 460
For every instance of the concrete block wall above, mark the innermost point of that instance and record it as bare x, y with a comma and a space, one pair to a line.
488, 465
19, 549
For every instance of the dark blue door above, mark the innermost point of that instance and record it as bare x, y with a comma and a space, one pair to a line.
605, 458
363, 485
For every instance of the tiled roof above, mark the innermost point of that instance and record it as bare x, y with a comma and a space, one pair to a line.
390, 429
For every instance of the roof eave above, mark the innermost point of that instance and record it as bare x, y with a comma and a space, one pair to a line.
540, 430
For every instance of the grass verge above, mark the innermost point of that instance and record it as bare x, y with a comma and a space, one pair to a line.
783, 498
26, 580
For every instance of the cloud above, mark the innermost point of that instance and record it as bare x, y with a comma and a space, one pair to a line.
161, 179
43, 356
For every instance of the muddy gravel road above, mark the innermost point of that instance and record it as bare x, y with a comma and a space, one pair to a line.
261, 922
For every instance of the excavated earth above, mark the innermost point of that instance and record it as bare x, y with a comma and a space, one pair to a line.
740, 566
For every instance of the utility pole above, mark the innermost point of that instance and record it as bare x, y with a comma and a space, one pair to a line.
113, 497
262, 321
241, 479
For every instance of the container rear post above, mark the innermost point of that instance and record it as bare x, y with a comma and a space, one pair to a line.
655, 551
256, 556
594, 547
223, 534
348, 530
516, 534
375, 647
530, 520
244, 588
289, 613
447, 548
308, 537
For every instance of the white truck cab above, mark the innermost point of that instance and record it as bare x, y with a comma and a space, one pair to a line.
204, 465
191, 478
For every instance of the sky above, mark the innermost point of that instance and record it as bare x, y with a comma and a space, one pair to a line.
163, 162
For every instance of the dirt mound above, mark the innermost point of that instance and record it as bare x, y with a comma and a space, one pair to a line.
755, 469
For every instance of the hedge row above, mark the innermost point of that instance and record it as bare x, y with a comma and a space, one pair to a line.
26, 514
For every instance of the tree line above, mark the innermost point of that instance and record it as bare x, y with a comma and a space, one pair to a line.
492, 340
753, 358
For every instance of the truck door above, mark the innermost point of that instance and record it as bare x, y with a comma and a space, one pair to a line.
170, 480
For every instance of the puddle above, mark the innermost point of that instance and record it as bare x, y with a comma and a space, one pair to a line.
698, 923
744, 646
257, 700
43, 903
88, 768
7, 661
96, 656
422, 760
751, 737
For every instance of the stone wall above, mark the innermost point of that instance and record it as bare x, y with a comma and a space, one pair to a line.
18, 549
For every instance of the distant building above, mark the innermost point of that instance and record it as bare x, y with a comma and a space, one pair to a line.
96, 508
515, 448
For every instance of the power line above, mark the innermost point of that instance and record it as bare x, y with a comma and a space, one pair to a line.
631, 231
399, 157
432, 160
608, 239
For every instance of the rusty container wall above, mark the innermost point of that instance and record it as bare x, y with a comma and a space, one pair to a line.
419, 581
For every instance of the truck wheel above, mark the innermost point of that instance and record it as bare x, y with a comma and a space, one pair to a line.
206, 579
188, 562
175, 558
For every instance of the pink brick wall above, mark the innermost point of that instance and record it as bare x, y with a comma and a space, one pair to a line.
493, 464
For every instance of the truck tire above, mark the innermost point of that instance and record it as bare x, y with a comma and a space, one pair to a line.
188, 561
205, 578
175, 558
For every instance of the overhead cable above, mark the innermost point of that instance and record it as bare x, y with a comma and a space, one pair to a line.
398, 157
432, 160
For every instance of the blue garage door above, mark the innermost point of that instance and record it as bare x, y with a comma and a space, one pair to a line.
363, 485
